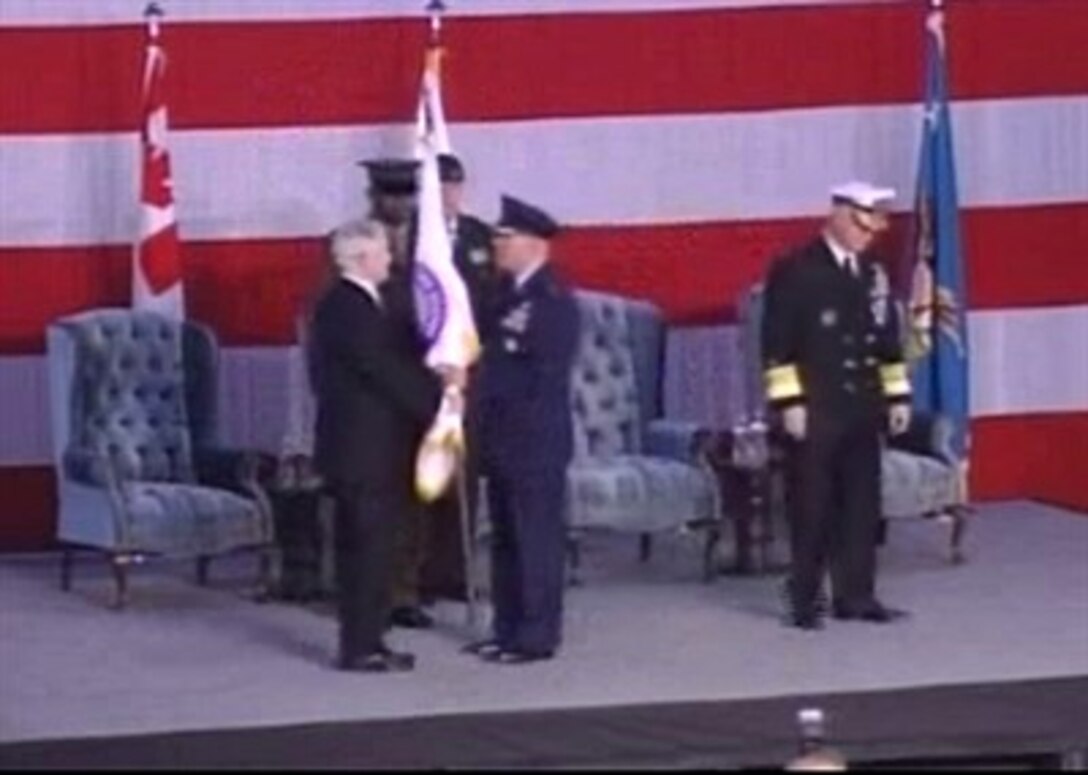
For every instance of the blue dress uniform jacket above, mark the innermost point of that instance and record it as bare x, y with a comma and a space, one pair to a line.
831, 343
527, 443
530, 340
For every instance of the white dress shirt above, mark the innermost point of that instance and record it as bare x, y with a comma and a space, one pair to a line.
367, 285
523, 277
843, 257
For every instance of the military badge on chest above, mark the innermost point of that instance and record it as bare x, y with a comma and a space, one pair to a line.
514, 324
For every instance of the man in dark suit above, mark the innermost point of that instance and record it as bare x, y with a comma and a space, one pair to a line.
393, 193
526, 438
374, 395
836, 376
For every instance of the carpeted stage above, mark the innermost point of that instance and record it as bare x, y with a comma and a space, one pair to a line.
659, 670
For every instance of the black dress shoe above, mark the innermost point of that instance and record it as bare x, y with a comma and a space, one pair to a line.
820, 604
810, 620
378, 662
874, 613
483, 648
411, 618
400, 660
804, 616
502, 657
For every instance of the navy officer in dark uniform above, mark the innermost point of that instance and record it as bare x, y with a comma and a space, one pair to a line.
526, 437
836, 376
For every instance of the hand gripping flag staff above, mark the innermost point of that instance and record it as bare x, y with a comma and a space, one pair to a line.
156, 265
443, 308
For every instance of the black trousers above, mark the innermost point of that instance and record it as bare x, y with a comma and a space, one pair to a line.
366, 535
528, 558
833, 498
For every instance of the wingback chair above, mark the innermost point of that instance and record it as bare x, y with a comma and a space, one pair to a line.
919, 470
633, 471
140, 472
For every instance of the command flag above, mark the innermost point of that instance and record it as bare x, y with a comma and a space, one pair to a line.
937, 344
442, 301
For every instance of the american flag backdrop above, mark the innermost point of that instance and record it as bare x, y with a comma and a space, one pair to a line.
684, 141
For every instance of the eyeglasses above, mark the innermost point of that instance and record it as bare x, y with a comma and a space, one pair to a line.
877, 224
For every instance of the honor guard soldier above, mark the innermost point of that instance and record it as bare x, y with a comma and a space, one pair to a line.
836, 377
527, 438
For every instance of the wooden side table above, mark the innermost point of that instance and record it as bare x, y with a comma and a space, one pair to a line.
750, 471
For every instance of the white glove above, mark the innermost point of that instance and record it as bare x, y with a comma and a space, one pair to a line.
795, 421
898, 418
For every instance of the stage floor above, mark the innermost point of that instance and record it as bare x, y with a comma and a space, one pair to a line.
182, 658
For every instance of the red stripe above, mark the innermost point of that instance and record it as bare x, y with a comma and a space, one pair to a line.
1037, 456
340, 72
1015, 457
249, 291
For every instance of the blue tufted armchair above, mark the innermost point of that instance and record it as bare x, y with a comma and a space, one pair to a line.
919, 471
139, 469
633, 471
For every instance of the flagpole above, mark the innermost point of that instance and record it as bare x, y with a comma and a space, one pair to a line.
435, 10
152, 13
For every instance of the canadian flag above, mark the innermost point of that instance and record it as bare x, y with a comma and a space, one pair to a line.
156, 275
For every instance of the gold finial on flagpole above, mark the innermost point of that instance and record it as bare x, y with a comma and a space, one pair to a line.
153, 13
435, 9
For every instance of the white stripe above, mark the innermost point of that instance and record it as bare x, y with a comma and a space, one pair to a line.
79, 189
94, 12
1023, 361
1029, 360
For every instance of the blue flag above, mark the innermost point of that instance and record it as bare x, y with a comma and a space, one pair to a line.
937, 345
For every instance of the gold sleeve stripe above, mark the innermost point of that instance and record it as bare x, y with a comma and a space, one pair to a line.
894, 377
783, 383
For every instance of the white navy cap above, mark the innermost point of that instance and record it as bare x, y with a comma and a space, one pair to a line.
864, 196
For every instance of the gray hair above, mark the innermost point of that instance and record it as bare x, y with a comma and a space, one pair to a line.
352, 239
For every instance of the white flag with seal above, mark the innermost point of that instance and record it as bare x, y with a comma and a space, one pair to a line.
442, 302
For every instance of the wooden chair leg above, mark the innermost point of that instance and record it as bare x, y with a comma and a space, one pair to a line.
203, 563
959, 529
710, 554
67, 559
265, 581
645, 547
574, 552
119, 565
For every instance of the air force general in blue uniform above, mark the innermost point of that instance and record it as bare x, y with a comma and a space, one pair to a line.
526, 437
